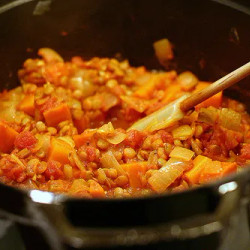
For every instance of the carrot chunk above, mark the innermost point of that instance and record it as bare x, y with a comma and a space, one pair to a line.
193, 175
210, 172
27, 105
59, 151
81, 124
57, 114
95, 189
228, 168
135, 170
155, 82
83, 138
8, 136
215, 100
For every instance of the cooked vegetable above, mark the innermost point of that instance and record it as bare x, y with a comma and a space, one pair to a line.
59, 151
108, 160
50, 55
182, 132
135, 171
216, 170
193, 175
79, 187
116, 138
8, 136
163, 50
214, 101
57, 114
208, 115
95, 189
230, 119
27, 105
102, 128
187, 80
165, 176
182, 153
68, 171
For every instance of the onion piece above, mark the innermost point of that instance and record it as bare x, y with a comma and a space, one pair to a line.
43, 143
187, 80
108, 160
182, 132
116, 138
182, 153
49, 55
161, 179
162, 118
230, 119
163, 50
106, 129
109, 101
208, 115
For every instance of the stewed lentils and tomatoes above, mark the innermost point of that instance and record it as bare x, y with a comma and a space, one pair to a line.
67, 129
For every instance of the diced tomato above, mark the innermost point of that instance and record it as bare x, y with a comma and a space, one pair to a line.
25, 140
166, 137
134, 138
53, 171
90, 152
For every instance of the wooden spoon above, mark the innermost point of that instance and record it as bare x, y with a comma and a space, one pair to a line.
175, 111
216, 87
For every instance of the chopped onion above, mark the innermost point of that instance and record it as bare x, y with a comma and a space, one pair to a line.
182, 132
108, 160
162, 118
187, 80
78, 186
208, 115
161, 179
230, 119
163, 50
106, 129
77, 161
182, 153
109, 101
116, 138
152, 158
17, 160
49, 55
43, 143
68, 171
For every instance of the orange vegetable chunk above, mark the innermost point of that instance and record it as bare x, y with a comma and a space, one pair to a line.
135, 170
59, 151
83, 138
95, 189
27, 105
210, 172
8, 136
81, 124
57, 114
215, 100
193, 175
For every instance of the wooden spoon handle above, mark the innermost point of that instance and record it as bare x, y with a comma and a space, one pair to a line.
216, 87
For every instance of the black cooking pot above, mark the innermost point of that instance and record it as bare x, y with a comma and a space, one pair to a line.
211, 38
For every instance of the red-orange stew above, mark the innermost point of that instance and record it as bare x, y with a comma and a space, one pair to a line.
65, 130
